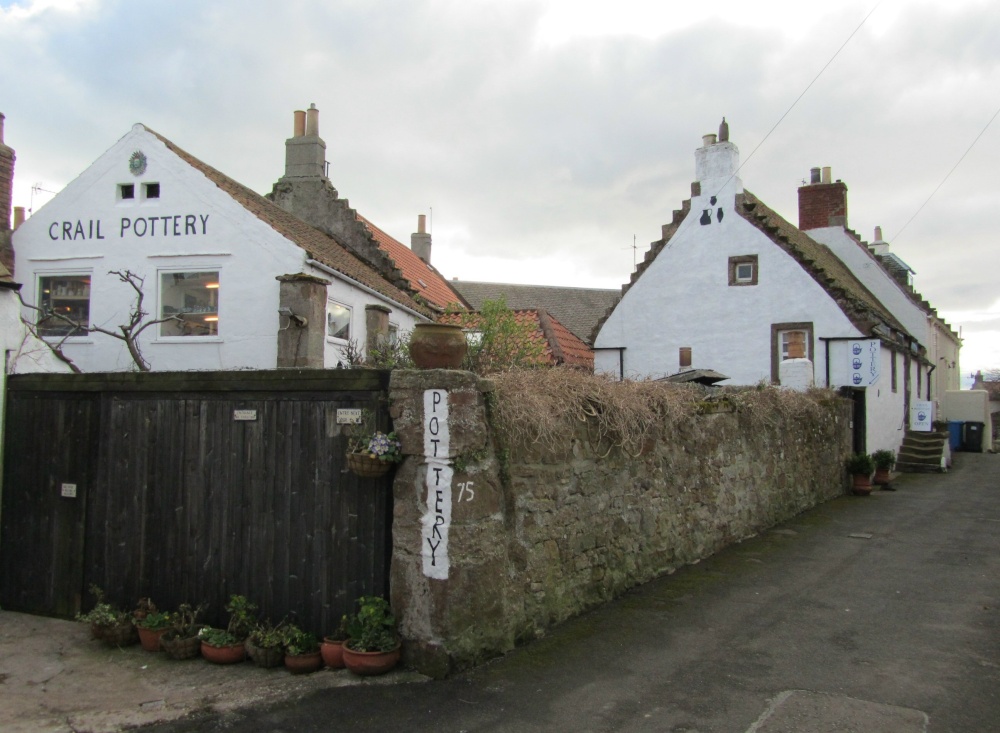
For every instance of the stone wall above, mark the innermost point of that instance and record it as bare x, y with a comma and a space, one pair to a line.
529, 537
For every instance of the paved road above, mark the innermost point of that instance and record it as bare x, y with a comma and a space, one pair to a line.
871, 615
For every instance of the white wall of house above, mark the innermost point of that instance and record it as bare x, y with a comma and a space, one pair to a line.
684, 299
89, 229
942, 351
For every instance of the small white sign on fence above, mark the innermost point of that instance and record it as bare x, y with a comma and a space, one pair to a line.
68, 490
244, 415
348, 416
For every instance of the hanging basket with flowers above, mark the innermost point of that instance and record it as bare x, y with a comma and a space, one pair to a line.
371, 453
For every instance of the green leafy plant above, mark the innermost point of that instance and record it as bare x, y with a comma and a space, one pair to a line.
341, 633
498, 341
103, 613
299, 642
155, 620
268, 635
241, 623
884, 459
184, 621
373, 627
860, 464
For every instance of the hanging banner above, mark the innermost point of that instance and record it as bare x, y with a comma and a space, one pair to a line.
437, 521
865, 362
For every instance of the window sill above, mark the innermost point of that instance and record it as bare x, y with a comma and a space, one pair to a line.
188, 340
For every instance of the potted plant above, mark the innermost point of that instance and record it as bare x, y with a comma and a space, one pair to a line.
332, 648
370, 452
302, 653
151, 623
181, 641
225, 646
884, 460
373, 647
861, 466
266, 644
108, 623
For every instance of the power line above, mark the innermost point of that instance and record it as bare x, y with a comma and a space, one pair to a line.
781, 119
896, 238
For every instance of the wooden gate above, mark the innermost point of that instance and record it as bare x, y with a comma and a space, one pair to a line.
188, 487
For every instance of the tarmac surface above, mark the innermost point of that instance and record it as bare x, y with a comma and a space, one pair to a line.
876, 614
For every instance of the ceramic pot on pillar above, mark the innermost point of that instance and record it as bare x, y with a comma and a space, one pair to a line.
437, 346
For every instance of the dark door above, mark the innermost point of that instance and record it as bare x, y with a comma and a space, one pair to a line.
48, 472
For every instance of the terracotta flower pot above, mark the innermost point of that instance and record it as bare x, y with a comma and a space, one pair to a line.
223, 654
862, 485
303, 663
332, 651
370, 663
437, 346
882, 477
150, 638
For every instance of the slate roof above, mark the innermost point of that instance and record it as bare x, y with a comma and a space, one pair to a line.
561, 346
423, 278
578, 309
318, 246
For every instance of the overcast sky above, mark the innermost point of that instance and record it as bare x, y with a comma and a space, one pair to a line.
545, 134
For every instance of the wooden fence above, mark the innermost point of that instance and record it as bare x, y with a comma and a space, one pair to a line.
188, 487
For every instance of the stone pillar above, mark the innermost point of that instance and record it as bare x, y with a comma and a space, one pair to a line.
376, 328
301, 321
450, 584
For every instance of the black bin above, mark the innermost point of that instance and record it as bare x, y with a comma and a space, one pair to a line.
972, 437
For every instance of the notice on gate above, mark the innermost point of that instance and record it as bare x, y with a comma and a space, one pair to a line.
437, 520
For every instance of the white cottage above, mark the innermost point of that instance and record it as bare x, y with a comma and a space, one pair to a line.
732, 287
240, 282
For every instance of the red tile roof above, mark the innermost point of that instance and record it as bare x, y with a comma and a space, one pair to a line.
560, 347
423, 278
316, 244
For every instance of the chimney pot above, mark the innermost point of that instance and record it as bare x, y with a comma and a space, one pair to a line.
814, 175
1, 128
312, 121
826, 174
878, 234
299, 128
18, 216
707, 140
421, 223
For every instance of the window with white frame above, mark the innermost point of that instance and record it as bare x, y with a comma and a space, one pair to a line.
338, 321
190, 302
790, 341
743, 270
64, 305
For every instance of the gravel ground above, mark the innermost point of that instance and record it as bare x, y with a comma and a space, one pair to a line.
55, 679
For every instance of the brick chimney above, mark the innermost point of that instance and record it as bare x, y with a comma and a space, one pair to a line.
6, 181
822, 203
420, 240
305, 151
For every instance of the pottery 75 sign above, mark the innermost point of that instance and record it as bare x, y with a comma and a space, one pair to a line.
437, 520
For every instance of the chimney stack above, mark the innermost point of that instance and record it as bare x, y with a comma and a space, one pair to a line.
6, 180
420, 241
305, 151
822, 203
879, 246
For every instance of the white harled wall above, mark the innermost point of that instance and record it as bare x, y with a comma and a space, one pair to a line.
192, 226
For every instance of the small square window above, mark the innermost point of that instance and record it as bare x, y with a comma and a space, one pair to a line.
338, 321
126, 191
151, 190
743, 270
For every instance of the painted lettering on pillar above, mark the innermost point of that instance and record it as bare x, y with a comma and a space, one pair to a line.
437, 520
143, 227
706, 214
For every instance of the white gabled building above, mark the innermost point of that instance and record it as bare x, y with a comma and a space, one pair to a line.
732, 287
244, 283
